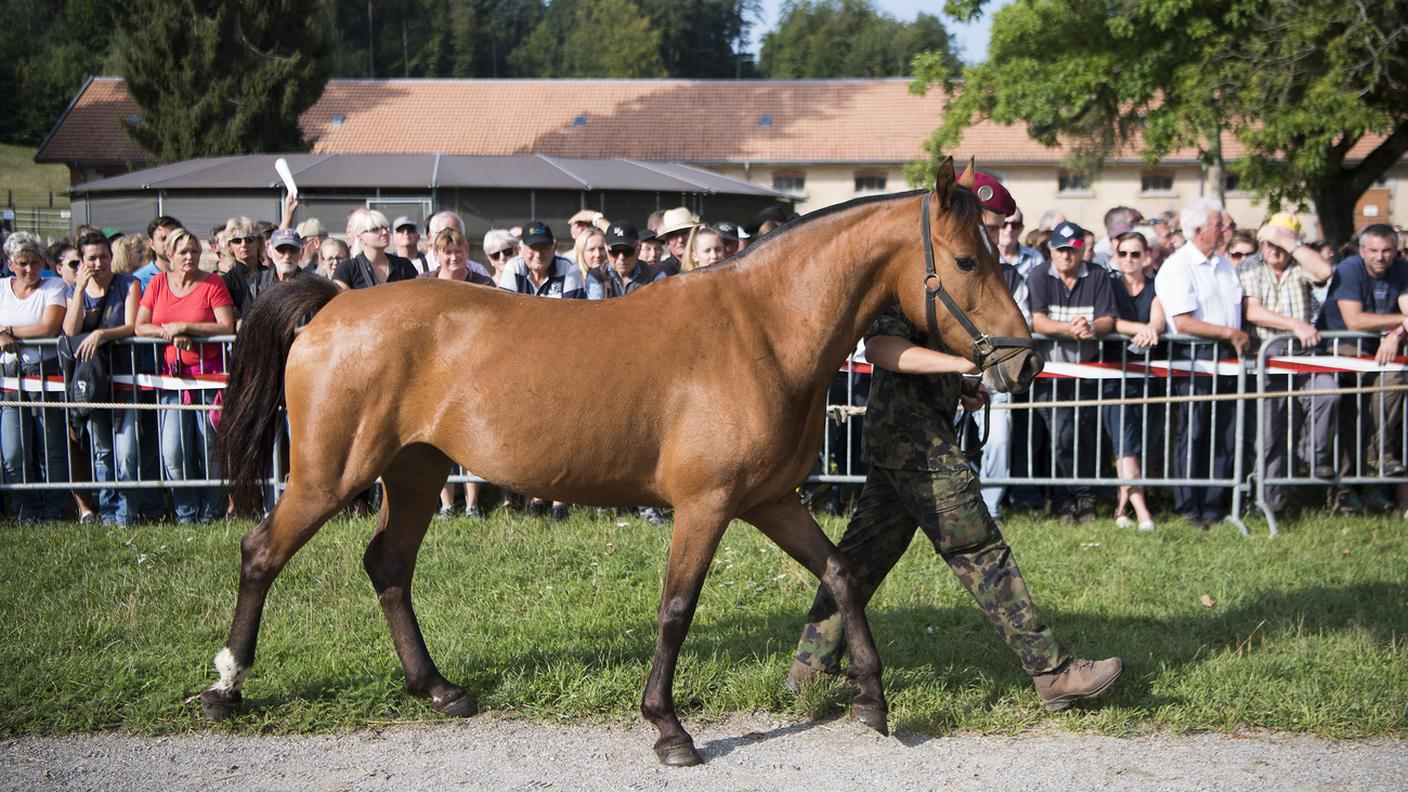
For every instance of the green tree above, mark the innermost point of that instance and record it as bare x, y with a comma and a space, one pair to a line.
1297, 82
850, 38
596, 38
219, 77
50, 49
702, 38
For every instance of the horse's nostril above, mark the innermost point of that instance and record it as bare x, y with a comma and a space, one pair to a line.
1033, 366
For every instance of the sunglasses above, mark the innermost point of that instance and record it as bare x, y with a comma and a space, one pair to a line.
1012, 224
615, 252
505, 253
248, 240
1239, 255
73, 263
1134, 254
377, 230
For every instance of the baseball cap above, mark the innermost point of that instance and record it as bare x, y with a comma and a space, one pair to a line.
536, 233
405, 221
1067, 234
1285, 220
286, 237
622, 235
729, 231
992, 196
311, 227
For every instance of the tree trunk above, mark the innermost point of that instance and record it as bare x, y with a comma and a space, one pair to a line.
1334, 206
1217, 171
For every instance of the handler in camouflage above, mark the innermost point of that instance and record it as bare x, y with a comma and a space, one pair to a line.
919, 478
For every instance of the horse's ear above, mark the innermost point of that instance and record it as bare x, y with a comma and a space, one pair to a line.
944, 182
965, 179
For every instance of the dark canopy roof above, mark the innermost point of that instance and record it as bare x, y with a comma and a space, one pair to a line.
430, 171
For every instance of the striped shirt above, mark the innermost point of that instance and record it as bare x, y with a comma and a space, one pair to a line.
564, 282
1092, 297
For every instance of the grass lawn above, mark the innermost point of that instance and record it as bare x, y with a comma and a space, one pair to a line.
114, 629
30, 183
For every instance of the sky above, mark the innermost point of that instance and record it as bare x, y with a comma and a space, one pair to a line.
972, 38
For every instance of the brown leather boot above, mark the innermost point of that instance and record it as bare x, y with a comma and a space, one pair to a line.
1076, 679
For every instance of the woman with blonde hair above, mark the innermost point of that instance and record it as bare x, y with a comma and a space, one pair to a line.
372, 265
590, 252
181, 306
130, 254
452, 251
708, 248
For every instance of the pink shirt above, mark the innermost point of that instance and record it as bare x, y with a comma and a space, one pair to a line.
197, 306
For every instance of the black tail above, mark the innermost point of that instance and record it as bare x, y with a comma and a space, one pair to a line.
250, 413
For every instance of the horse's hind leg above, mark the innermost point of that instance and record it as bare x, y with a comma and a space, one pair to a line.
791, 526
265, 549
698, 529
412, 482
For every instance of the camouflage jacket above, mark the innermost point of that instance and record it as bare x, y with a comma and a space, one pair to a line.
909, 417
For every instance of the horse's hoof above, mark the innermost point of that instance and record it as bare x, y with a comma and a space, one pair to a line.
220, 704
682, 755
876, 718
460, 705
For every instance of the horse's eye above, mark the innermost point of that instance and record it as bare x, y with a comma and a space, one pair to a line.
966, 263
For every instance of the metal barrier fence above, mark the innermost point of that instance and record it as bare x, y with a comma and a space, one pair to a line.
1102, 414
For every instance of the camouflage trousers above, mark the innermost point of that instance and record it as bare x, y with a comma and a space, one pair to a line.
950, 510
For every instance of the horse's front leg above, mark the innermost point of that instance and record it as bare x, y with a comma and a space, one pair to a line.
791, 526
264, 550
698, 529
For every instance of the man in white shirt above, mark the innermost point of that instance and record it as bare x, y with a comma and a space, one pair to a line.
1202, 297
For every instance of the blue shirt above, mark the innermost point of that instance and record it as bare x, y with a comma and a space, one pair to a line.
1352, 283
597, 282
115, 312
145, 274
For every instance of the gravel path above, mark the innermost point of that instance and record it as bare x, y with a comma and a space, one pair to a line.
755, 752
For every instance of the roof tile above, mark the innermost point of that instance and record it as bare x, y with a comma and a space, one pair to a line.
705, 121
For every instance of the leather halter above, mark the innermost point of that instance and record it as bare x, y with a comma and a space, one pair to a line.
984, 345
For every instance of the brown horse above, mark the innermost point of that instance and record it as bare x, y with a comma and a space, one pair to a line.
723, 372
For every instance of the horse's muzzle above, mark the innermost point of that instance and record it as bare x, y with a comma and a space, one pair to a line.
1014, 374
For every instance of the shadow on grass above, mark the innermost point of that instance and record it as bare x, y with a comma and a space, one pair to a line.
951, 647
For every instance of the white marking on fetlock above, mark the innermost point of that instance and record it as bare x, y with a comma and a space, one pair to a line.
231, 674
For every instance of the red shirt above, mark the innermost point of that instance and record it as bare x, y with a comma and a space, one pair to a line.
197, 306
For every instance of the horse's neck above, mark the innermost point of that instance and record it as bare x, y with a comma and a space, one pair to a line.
827, 287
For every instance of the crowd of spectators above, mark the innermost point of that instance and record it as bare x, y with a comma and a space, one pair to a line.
1191, 273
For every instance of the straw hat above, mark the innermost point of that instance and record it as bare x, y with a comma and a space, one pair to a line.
677, 219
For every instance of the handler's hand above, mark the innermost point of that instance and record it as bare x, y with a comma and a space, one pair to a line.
974, 396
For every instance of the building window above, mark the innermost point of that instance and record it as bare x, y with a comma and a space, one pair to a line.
870, 182
1231, 182
789, 182
1072, 183
1156, 183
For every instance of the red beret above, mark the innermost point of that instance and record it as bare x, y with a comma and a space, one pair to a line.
992, 195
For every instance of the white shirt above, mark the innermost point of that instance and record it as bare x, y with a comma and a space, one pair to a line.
15, 312
1205, 286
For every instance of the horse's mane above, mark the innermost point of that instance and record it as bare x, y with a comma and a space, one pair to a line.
964, 206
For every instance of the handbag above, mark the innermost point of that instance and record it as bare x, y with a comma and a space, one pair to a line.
86, 382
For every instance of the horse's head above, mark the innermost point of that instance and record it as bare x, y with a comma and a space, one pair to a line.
961, 287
